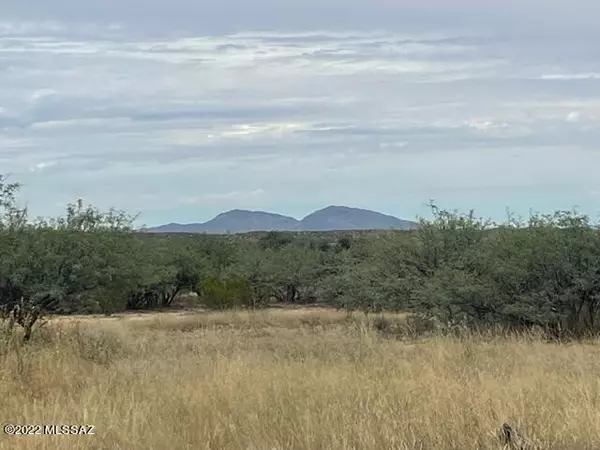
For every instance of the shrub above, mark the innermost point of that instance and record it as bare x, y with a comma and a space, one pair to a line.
229, 293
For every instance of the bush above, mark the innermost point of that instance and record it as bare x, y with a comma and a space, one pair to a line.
225, 294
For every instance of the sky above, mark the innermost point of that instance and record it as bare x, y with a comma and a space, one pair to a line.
181, 109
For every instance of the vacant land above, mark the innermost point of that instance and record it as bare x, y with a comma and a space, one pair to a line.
292, 380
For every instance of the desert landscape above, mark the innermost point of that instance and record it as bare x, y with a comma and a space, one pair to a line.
299, 225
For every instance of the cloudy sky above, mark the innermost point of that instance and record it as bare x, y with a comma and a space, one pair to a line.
180, 109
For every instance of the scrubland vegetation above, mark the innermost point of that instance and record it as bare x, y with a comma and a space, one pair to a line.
425, 339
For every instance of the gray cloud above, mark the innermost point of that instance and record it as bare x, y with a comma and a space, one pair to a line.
182, 122
226, 16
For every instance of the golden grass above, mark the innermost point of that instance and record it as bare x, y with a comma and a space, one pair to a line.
292, 380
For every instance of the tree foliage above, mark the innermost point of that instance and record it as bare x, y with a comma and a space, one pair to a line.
456, 268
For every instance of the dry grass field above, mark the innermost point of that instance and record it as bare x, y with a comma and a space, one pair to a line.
294, 380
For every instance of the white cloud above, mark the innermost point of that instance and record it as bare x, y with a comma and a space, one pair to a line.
571, 76
41, 166
41, 94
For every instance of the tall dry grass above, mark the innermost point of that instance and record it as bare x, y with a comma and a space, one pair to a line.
292, 380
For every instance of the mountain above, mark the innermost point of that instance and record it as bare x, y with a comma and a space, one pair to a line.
241, 221
234, 221
343, 218
332, 218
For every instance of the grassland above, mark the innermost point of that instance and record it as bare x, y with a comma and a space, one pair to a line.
294, 380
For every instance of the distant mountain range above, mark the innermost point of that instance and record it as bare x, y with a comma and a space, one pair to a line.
332, 218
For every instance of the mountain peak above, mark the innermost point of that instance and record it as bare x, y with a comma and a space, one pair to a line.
341, 208
345, 218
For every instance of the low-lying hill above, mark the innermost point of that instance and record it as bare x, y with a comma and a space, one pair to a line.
234, 221
342, 218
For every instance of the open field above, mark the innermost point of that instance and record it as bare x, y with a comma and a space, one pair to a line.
295, 380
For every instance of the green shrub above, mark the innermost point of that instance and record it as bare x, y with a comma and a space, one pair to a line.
229, 293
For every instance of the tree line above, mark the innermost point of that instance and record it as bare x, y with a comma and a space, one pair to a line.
457, 269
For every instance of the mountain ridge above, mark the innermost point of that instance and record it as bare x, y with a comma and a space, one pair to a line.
330, 218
